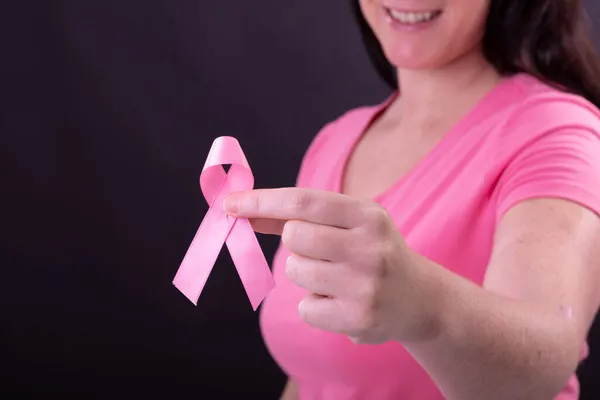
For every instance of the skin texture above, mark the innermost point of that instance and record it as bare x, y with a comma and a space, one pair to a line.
442, 74
520, 342
458, 31
515, 340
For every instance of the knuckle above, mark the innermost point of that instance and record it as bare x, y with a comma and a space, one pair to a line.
359, 340
252, 201
300, 272
299, 201
290, 232
365, 322
303, 311
291, 270
367, 295
304, 235
382, 258
377, 218
375, 256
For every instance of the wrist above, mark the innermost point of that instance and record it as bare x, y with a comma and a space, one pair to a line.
433, 309
450, 304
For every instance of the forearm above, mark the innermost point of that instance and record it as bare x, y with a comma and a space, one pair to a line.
492, 347
290, 391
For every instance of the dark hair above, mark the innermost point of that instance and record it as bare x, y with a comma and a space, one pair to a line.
548, 39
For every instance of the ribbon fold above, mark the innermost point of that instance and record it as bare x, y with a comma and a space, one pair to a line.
218, 228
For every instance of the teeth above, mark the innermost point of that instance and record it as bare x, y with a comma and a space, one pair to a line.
412, 17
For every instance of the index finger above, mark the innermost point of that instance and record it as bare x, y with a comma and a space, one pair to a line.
317, 206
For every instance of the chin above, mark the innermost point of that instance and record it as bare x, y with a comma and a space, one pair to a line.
413, 59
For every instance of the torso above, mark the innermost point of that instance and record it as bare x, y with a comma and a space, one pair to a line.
441, 197
401, 145
366, 176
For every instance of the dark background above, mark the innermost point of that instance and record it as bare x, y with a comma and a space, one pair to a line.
107, 112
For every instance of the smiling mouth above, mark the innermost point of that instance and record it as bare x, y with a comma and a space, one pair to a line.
411, 17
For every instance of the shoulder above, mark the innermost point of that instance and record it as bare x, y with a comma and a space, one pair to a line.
549, 147
540, 109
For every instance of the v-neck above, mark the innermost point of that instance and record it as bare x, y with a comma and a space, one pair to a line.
488, 104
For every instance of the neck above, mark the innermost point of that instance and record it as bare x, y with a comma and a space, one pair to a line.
427, 95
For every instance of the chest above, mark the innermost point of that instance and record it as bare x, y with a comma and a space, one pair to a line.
386, 153
457, 237
443, 210
437, 188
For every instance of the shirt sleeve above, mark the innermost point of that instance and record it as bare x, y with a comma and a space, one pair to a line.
555, 148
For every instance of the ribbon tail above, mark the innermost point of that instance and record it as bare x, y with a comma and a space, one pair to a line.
202, 254
250, 262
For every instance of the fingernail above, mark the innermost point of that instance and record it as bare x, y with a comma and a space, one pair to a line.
230, 204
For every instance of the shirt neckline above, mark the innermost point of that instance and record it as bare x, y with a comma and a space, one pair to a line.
487, 105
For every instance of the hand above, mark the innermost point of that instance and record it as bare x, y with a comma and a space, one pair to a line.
364, 280
290, 391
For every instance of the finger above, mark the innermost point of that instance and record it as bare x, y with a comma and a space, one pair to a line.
321, 207
324, 313
267, 226
317, 276
320, 242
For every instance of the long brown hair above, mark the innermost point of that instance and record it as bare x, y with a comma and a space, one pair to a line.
549, 39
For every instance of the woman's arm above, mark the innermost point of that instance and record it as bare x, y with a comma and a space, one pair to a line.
521, 337
290, 391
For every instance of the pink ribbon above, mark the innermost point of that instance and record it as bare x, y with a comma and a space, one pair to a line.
217, 228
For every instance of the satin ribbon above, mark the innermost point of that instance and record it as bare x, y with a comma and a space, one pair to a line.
218, 228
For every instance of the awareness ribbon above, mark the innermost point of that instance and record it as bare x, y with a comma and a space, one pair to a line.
217, 228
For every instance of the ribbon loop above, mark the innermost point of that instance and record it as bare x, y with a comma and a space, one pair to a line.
218, 228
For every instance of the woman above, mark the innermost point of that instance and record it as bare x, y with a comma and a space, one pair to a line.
441, 244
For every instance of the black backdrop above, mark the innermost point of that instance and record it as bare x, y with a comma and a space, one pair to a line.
107, 112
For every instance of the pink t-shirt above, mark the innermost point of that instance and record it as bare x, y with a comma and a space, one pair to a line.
523, 140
